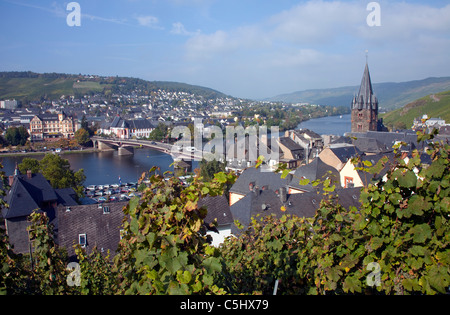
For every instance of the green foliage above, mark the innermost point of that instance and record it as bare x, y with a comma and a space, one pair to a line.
159, 133
267, 251
17, 136
49, 262
164, 249
208, 169
82, 136
56, 170
96, 273
397, 242
29, 164
435, 105
402, 227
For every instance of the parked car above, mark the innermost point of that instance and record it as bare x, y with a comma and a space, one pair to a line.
101, 199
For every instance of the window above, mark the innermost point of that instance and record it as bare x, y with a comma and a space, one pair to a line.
82, 240
106, 210
348, 182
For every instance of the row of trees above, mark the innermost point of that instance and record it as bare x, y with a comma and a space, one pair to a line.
396, 243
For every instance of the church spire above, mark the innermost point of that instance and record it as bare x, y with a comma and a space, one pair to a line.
366, 98
365, 106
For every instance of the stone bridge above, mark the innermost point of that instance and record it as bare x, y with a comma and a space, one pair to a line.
126, 147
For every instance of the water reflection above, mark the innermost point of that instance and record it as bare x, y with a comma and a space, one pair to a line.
106, 167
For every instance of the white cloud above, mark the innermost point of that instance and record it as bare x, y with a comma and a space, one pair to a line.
317, 21
318, 44
179, 29
149, 21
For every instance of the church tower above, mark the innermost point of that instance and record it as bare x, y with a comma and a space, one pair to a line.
365, 106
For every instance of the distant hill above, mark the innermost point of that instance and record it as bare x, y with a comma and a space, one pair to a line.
390, 95
30, 86
434, 105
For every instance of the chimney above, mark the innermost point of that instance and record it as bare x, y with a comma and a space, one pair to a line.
29, 174
11, 180
283, 194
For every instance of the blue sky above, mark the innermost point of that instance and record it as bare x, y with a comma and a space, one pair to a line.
245, 48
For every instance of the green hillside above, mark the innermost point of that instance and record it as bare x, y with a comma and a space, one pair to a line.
390, 95
30, 86
434, 105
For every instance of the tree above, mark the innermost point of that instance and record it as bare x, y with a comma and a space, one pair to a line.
159, 133
29, 164
208, 169
82, 136
17, 136
57, 171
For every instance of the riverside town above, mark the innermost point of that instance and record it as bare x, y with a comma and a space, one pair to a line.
116, 184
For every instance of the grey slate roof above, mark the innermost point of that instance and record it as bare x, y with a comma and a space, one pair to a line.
102, 230
218, 208
28, 194
316, 170
366, 98
118, 122
268, 202
345, 152
260, 179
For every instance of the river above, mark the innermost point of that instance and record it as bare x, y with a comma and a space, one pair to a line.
105, 167
332, 125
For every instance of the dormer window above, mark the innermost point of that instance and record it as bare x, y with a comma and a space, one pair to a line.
82, 240
106, 210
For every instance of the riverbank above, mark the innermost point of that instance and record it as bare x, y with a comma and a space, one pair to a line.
21, 154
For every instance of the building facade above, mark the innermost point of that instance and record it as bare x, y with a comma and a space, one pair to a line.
365, 106
52, 127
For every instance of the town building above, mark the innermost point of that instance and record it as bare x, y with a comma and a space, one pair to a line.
316, 170
365, 107
278, 203
28, 193
91, 226
220, 214
127, 129
8, 104
52, 127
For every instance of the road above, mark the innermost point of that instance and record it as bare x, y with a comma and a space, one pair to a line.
159, 146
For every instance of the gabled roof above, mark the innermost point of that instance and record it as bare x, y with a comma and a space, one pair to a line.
344, 151
258, 178
366, 98
317, 169
290, 144
102, 230
367, 178
21, 202
28, 194
269, 202
218, 208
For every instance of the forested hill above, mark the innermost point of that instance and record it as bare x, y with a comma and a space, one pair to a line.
434, 105
390, 95
30, 86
